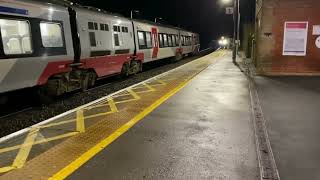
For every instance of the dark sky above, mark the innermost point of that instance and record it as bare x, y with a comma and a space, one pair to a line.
206, 17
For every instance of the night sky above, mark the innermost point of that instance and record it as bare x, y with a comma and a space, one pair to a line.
206, 17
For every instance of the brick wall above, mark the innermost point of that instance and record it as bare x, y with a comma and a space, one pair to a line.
269, 37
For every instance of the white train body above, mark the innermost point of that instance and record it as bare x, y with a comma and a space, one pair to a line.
61, 48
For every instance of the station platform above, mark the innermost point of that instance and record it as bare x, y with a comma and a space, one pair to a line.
193, 122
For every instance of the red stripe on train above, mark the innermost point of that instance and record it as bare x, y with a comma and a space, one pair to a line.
103, 66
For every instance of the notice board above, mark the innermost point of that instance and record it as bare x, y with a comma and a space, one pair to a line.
295, 38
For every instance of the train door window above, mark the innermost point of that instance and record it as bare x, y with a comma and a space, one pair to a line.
148, 39
160, 40
142, 40
116, 40
51, 34
16, 37
165, 40
92, 37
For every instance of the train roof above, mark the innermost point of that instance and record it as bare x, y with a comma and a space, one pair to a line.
67, 3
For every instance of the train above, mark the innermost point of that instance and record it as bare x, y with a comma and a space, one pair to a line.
63, 47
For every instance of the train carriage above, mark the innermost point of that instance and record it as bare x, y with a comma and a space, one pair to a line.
156, 41
35, 43
65, 47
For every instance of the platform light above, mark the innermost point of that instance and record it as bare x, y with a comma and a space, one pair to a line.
226, 1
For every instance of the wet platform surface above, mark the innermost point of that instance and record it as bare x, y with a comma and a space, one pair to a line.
291, 109
203, 132
191, 123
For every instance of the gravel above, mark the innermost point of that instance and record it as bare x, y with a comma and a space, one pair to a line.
41, 112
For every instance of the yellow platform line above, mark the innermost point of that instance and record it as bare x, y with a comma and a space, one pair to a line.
112, 105
65, 172
134, 94
25, 149
46, 140
6, 169
58, 123
80, 121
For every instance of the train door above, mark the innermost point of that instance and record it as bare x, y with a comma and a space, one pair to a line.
155, 49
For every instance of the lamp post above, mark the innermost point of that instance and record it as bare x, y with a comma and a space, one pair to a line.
236, 27
133, 11
236, 19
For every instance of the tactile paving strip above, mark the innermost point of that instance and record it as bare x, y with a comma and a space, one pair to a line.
46, 149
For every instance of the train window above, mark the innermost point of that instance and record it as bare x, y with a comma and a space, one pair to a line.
92, 37
106, 27
90, 25
148, 39
116, 28
125, 29
16, 37
177, 40
165, 40
142, 40
160, 40
102, 27
169, 40
116, 40
173, 40
51, 34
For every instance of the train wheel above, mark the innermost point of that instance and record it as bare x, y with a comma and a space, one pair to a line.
135, 67
177, 58
92, 79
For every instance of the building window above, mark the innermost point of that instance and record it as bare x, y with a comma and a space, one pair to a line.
116, 40
92, 37
16, 37
51, 34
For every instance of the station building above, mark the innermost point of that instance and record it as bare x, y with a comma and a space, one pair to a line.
287, 37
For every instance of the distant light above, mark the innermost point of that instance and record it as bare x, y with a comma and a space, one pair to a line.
119, 21
222, 37
226, 1
51, 10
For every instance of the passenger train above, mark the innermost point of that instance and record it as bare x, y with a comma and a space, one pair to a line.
66, 47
